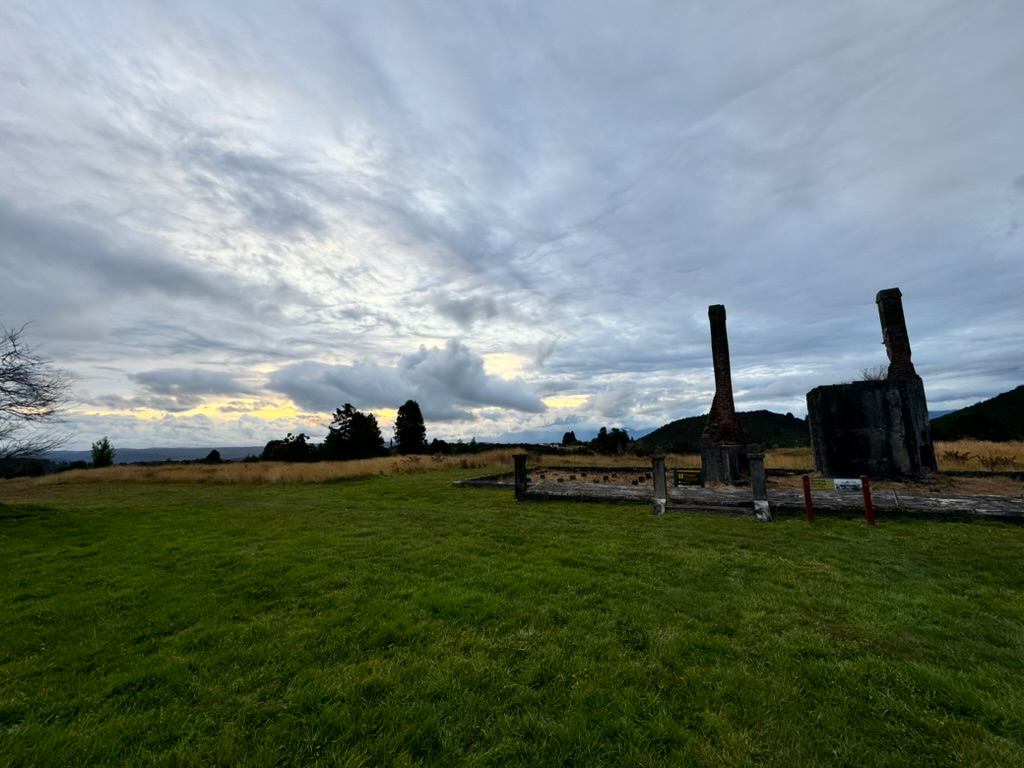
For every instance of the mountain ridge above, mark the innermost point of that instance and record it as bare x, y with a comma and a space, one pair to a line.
147, 455
766, 428
1000, 419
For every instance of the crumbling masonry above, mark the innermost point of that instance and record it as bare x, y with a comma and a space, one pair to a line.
875, 428
723, 452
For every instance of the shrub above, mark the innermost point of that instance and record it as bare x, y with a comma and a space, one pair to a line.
957, 457
103, 453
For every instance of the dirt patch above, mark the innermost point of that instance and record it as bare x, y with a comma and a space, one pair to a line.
621, 476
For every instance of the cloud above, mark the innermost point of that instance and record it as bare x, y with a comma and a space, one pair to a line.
245, 406
176, 430
189, 381
331, 194
76, 277
272, 193
466, 310
542, 351
460, 373
178, 389
612, 403
82, 262
321, 387
447, 382
146, 402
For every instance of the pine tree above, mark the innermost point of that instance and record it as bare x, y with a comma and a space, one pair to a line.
410, 431
103, 453
352, 435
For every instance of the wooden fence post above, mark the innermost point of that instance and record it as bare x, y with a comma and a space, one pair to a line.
759, 483
520, 475
660, 486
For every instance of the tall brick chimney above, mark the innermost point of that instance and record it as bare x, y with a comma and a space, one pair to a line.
894, 334
723, 427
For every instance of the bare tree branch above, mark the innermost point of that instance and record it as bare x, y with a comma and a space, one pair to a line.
874, 373
33, 395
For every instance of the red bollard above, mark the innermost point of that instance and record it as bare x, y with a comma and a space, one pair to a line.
869, 508
808, 504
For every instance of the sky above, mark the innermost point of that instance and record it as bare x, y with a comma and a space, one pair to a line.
227, 219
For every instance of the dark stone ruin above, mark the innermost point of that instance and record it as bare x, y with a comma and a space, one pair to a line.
723, 446
875, 428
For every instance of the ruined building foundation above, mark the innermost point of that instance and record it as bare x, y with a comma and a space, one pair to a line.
723, 451
875, 428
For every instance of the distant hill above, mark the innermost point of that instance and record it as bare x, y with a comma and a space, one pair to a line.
998, 419
769, 429
145, 455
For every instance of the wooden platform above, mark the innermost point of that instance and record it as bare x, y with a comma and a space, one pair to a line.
739, 501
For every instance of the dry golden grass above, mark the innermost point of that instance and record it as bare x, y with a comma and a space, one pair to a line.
979, 455
625, 460
960, 455
788, 458
268, 472
952, 456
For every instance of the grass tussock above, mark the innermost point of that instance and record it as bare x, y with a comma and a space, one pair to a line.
979, 455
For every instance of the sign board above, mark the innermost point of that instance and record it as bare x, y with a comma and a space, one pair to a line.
840, 484
688, 476
848, 485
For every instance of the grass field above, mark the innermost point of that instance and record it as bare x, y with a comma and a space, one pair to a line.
395, 620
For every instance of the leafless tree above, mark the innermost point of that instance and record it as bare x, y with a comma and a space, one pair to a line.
875, 373
33, 393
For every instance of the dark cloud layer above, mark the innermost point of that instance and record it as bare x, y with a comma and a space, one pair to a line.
445, 381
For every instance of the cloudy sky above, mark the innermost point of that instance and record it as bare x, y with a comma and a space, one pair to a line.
227, 219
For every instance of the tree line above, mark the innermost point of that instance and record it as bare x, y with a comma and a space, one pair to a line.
353, 434
607, 442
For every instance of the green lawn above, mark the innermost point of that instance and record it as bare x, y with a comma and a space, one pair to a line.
401, 621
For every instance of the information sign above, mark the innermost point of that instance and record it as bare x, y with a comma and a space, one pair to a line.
840, 484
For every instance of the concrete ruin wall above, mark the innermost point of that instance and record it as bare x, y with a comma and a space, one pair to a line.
875, 428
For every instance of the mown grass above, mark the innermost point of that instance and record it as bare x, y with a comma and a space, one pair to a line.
399, 621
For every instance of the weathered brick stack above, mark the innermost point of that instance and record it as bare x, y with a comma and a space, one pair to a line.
894, 334
723, 450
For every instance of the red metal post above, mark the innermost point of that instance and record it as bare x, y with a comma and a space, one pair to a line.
869, 508
808, 504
